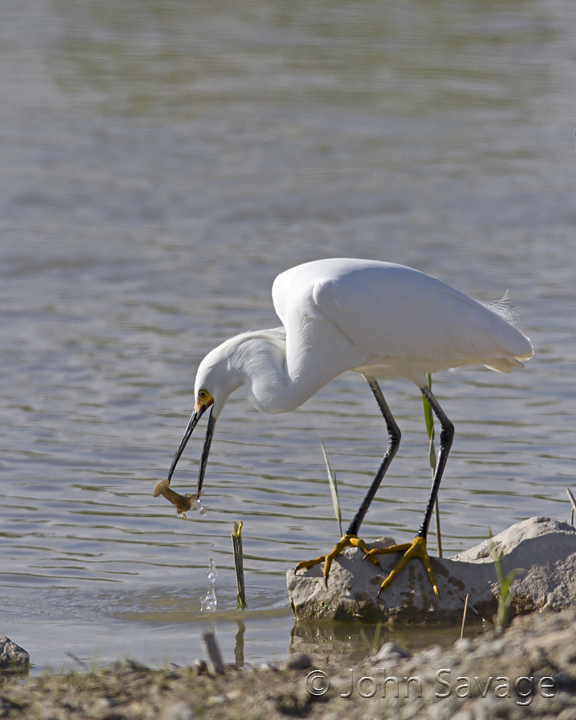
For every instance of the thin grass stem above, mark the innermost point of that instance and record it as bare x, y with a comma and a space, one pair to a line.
573, 501
333, 490
239, 563
464, 616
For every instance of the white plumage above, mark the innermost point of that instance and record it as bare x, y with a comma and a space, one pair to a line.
376, 318
379, 319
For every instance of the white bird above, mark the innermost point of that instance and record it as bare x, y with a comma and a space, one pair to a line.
378, 319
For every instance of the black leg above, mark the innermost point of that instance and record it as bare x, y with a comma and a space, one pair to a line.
416, 548
446, 437
394, 436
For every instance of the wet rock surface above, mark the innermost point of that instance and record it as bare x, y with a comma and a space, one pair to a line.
542, 548
528, 672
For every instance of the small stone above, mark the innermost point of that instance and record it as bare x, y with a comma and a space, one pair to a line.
234, 694
177, 711
391, 650
463, 715
200, 666
103, 709
497, 646
564, 682
552, 641
464, 644
434, 652
13, 658
137, 666
102, 705
299, 661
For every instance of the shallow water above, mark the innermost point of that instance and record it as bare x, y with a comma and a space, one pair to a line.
162, 162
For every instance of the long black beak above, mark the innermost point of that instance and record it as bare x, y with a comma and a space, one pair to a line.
205, 450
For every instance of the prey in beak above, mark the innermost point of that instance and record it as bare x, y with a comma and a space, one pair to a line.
182, 503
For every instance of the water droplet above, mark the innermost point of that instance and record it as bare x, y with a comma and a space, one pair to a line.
198, 506
209, 601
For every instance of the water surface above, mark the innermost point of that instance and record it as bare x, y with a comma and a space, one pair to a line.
162, 163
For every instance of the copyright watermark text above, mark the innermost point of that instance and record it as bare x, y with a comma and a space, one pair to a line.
524, 689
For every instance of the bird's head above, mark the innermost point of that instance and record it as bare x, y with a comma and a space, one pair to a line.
216, 379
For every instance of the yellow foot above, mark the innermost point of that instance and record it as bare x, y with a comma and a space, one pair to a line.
345, 541
414, 549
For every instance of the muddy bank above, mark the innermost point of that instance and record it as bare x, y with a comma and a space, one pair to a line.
530, 671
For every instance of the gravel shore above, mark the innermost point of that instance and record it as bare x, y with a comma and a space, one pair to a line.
528, 672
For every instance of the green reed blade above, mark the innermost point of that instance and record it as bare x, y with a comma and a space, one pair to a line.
333, 490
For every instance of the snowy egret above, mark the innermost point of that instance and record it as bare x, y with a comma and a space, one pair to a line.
378, 319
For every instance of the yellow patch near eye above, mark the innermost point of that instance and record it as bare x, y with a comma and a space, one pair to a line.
204, 400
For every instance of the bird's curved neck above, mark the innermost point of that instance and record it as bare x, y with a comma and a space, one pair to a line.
260, 364
278, 381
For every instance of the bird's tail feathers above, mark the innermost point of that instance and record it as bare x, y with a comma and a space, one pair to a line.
503, 308
504, 365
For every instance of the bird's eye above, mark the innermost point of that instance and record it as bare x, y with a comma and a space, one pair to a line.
203, 394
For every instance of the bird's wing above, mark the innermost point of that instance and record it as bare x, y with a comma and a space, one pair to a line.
316, 349
394, 311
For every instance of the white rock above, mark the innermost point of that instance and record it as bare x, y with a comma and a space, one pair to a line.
544, 548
